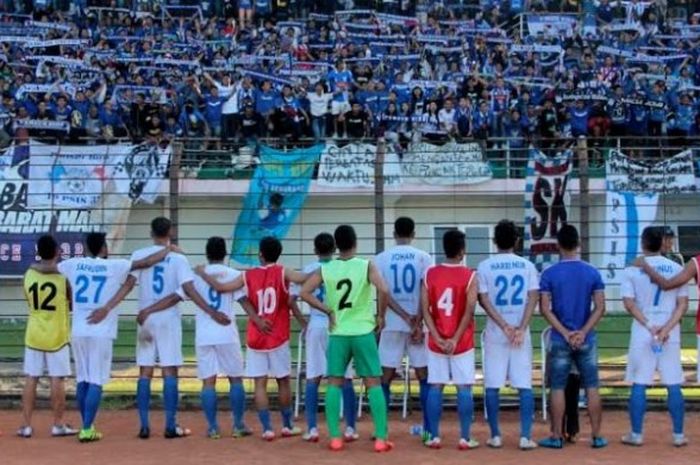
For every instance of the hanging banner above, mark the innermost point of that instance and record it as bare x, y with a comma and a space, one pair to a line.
352, 166
445, 165
632, 198
547, 204
139, 173
21, 225
276, 195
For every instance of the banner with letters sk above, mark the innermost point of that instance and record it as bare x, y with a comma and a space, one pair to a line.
275, 196
547, 204
631, 200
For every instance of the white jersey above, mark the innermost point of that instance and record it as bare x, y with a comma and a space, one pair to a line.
506, 278
656, 304
403, 268
94, 281
160, 281
207, 331
317, 319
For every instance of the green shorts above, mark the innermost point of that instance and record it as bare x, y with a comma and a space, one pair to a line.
360, 349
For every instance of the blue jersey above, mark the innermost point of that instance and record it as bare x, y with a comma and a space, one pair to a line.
340, 82
265, 103
571, 285
212, 111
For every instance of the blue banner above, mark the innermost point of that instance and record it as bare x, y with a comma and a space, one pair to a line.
276, 195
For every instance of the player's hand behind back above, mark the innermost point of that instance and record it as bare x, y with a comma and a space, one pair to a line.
98, 315
265, 326
220, 318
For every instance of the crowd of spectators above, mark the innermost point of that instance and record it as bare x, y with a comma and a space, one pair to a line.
229, 71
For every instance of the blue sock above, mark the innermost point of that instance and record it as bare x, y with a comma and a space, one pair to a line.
80, 393
424, 389
208, 396
264, 416
465, 410
527, 411
143, 400
387, 393
311, 404
492, 407
170, 399
638, 407
434, 405
236, 395
286, 417
349, 404
92, 403
676, 407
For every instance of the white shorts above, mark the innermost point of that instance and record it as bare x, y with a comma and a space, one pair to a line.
643, 363
93, 359
451, 369
219, 359
504, 361
164, 346
394, 345
56, 364
338, 108
275, 363
316, 341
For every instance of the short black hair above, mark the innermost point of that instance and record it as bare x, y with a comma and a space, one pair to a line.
404, 227
160, 227
216, 249
453, 243
506, 235
652, 239
95, 241
47, 247
567, 237
345, 237
270, 249
324, 244
276, 199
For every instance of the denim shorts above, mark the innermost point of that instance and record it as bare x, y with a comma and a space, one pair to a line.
562, 357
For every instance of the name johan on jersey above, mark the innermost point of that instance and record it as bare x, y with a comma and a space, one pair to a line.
94, 282
656, 304
506, 278
402, 268
161, 280
447, 287
208, 331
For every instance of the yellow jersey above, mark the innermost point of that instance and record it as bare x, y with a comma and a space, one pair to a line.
48, 325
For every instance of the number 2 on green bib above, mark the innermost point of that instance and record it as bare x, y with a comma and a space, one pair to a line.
344, 286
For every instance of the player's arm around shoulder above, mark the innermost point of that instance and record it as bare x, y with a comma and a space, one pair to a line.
153, 259
221, 287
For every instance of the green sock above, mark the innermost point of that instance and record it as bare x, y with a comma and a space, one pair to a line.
333, 396
377, 405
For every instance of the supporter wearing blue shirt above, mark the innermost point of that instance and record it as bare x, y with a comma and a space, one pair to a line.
568, 289
212, 111
340, 80
579, 118
639, 117
61, 109
81, 103
657, 115
267, 97
109, 117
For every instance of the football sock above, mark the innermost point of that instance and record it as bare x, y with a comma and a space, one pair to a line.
311, 404
236, 397
527, 411
492, 407
349, 404
333, 399
264, 416
424, 388
92, 403
170, 400
80, 393
378, 409
386, 388
434, 410
286, 417
143, 400
638, 407
676, 407
465, 410
208, 396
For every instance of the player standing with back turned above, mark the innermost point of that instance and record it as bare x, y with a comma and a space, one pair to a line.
403, 267
348, 282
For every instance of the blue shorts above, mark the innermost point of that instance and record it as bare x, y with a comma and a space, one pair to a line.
561, 359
